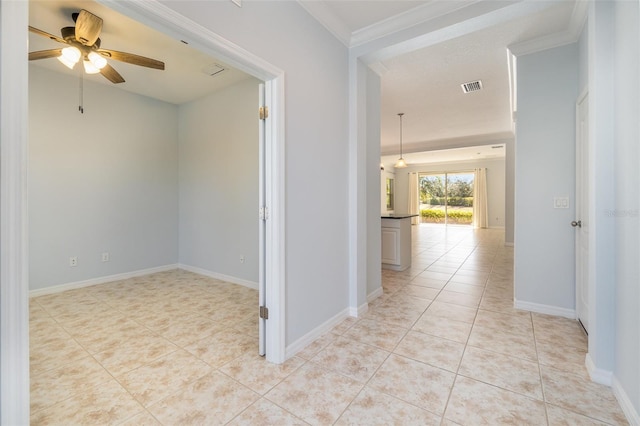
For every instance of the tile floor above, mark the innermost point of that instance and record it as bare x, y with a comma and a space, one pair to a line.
442, 346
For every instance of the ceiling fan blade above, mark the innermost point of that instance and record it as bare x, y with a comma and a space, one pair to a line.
47, 35
88, 27
111, 74
132, 59
44, 54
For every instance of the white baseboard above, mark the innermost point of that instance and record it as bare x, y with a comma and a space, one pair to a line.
605, 377
496, 227
508, 244
625, 403
99, 280
308, 338
222, 277
545, 309
598, 375
375, 294
359, 311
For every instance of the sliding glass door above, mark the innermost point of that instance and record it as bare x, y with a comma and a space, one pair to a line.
446, 198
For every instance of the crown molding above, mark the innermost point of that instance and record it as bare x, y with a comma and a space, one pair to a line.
336, 26
568, 36
321, 13
432, 10
379, 68
542, 43
406, 19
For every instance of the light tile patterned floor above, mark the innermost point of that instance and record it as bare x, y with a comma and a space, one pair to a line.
442, 346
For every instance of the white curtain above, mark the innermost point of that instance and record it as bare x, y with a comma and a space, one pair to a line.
413, 198
480, 205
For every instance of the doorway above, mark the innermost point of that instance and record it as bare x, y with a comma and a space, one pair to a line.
14, 327
446, 198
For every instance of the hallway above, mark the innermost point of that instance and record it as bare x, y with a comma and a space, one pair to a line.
442, 346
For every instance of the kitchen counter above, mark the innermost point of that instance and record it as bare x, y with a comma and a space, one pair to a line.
398, 216
396, 241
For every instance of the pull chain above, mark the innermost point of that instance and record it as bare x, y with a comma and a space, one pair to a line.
81, 100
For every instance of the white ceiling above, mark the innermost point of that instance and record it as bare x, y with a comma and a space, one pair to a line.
470, 154
424, 83
183, 79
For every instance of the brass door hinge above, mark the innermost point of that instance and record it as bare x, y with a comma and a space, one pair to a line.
264, 113
264, 312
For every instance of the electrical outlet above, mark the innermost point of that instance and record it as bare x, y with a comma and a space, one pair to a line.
241, 258
105, 256
73, 261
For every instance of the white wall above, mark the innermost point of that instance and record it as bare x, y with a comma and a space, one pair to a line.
510, 191
602, 132
374, 223
219, 182
315, 64
545, 168
495, 184
625, 212
102, 181
583, 58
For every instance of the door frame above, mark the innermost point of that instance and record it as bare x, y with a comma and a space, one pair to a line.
14, 117
582, 209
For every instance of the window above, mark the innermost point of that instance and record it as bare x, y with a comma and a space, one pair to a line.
389, 194
446, 198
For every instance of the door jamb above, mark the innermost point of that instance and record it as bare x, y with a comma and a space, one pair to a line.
581, 98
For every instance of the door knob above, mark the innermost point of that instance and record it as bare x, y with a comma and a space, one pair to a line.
576, 224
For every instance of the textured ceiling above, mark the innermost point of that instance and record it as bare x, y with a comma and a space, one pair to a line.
424, 83
447, 155
183, 79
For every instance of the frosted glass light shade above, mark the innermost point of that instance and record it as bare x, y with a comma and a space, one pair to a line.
89, 68
400, 163
97, 60
67, 63
71, 53
70, 56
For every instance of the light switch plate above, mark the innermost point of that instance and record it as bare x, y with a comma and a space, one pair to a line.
560, 202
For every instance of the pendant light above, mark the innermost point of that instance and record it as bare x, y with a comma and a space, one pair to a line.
400, 163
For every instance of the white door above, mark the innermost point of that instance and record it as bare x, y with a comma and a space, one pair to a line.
261, 227
581, 222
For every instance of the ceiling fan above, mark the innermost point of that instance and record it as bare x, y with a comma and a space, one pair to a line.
83, 42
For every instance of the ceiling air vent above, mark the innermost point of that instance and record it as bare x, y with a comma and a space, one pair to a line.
213, 69
472, 86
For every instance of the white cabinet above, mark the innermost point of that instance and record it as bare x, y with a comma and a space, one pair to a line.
396, 242
391, 246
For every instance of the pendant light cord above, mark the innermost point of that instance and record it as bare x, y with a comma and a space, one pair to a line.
401, 114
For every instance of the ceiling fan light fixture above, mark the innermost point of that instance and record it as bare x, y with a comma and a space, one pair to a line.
72, 54
67, 63
82, 42
89, 68
97, 60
